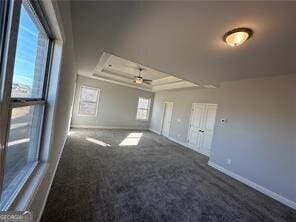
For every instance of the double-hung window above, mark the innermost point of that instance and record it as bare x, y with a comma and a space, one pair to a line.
88, 101
24, 89
143, 109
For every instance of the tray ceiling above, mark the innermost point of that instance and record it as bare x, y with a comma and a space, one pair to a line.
121, 71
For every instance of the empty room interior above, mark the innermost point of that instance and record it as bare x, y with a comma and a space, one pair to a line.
147, 111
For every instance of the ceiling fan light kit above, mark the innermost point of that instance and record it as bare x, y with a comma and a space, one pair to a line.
139, 79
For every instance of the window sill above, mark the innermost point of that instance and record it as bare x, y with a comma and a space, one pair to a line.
28, 189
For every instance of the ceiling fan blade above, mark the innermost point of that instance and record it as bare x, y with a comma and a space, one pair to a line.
148, 83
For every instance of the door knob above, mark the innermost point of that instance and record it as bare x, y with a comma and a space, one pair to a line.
201, 131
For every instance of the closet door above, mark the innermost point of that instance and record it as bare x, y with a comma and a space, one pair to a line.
201, 127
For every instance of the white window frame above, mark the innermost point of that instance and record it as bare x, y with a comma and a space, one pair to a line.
97, 102
12, 14
148, 109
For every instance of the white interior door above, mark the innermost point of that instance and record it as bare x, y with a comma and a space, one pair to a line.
167, 117
208, 129
201, 127
195, 125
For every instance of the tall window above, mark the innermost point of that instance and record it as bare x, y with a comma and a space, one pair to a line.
88, 101
143, 109
27, 102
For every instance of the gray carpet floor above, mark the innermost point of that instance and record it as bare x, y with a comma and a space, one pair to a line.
156, 180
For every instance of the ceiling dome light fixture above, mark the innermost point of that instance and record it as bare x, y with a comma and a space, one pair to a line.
238, 36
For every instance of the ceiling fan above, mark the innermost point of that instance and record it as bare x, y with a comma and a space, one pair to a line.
139, 79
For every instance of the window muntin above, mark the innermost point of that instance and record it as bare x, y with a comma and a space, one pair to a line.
143, 109
31, 56
88, 101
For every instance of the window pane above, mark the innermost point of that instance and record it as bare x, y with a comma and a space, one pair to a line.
143, 103
88, 94
88, 101
30, 60
142, 114
87, 108
22, 147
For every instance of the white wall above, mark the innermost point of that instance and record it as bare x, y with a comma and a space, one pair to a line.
259, 136
117, 105
182, 100
63, 108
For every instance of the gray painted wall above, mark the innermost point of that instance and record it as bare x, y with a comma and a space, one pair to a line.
259, 137
182, 100
117, 105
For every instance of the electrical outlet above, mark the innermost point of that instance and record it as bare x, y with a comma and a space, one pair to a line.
228, 161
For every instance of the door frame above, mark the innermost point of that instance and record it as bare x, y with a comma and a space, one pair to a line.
188, 131
163, 116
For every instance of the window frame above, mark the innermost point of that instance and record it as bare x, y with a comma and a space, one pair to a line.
97, 100
3, 12
148, 109
8, 49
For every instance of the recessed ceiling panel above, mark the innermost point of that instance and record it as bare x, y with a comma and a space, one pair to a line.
118, 70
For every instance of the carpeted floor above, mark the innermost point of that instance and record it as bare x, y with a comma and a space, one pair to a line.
156, 180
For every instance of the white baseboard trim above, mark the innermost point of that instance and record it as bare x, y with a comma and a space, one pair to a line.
154, 131
173, 139
170, 138
108, 127
254, 185
179, 142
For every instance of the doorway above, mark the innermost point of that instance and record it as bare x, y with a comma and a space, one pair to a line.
201, 127
167, 117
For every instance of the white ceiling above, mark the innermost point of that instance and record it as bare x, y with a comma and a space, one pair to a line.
185, 38
117, 70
